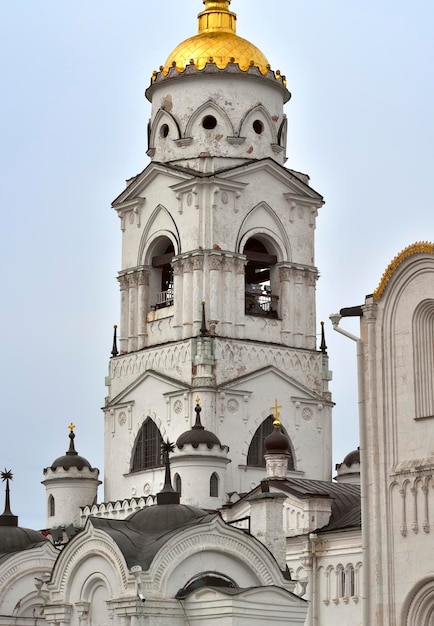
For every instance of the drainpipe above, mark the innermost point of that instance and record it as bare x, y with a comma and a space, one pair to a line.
335, 319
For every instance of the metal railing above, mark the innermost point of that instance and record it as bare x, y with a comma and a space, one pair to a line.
165, 298
263, 304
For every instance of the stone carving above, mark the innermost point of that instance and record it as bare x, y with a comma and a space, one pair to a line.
233, 406
307, 413
170, 359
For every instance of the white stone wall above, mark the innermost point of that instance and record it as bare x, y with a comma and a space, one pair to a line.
396, 333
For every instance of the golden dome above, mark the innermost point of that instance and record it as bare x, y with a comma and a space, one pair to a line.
216, 42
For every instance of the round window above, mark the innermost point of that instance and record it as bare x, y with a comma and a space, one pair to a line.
209, 122
164, 131
258, 127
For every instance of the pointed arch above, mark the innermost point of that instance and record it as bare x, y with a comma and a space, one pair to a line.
51, 506
147, 447
160, 224
165, 126
271, 231
259, 113
255, 455
177, 484
214, 485
208, 108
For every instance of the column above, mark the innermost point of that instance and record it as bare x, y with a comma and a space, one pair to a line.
123, 335
214, 265
132, 312
198, 295
285, 303
310, 329
239, 296
177, 298
229, 297
143, 304
187, 295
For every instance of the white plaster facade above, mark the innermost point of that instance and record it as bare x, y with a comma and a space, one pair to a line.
397, 335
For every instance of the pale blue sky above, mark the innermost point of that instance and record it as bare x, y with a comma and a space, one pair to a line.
73, 123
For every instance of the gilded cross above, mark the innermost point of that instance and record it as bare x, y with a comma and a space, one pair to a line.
275, 410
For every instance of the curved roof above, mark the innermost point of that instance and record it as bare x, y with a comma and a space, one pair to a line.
164, 517
277, 442
71, 458
15, 539
197, 434
216, 42
352, 458
422, 247
12, 537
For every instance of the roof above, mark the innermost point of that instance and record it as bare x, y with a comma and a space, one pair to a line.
139, 544
345, 508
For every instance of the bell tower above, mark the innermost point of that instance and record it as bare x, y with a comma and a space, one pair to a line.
218, 275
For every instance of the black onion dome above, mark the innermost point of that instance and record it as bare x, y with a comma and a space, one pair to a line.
198, 435
12, 537
165, 516
352, 458
277, 442
71, 458
16, 539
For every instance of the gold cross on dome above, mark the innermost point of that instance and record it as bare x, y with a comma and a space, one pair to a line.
71, 426
197, 400
275, 409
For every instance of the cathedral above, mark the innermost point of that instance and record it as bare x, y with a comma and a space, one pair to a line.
219, 501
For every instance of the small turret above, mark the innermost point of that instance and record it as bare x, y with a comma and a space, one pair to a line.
70, 483
349, 470
199, 466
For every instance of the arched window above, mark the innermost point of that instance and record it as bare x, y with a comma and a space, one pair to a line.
147, 450
423, 338
214, 486
163, 264
352, 581
51, 506
341, 582
178, 483
260, 299
255, 456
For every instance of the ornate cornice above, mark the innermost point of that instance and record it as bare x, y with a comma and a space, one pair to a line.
422, 247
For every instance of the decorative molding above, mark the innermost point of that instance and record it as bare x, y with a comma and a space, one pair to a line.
162, 360
421, 247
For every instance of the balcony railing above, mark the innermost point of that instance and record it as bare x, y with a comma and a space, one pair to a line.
261, 303
165, 298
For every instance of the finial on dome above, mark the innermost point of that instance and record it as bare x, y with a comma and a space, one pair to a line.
167, 495
8, 518
276, 413
217, 17
198, 409
72, 450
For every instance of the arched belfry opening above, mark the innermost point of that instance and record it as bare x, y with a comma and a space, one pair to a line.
261, 285
162, 274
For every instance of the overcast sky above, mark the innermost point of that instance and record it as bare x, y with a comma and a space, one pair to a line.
73, 123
